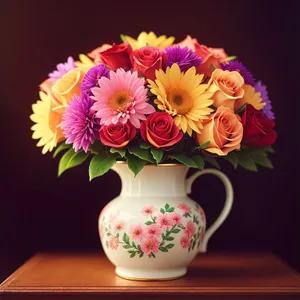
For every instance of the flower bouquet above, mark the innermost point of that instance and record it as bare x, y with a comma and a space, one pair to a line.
150, 101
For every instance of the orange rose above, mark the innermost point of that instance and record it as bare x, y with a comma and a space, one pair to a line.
211, 56
95, 54
226, 87
224, 130
69, 85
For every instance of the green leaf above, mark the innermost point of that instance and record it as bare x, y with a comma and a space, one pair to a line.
122, 152
167, 206
163, 249
108, 234
171, 209
157, 155
153, 255
268, 149
132, 254
162, 210
203, 146
127, 246
194, 244
247, 163
145, 146
97, 147
169, 246
61, 147
169, 238
232, 158
199, 161
184, 160
123, 37
125, 238
231, 58
212, 161
176, 230
135, 164
133, 244
70, 160
100, 164
242, 108
141, 153
141, 254
213, 67
262, 160
148, 223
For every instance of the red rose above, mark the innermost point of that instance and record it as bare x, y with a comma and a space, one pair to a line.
117, 135
160, 130
118, 56
146, 60
258, 129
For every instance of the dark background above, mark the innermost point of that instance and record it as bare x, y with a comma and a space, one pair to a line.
38, 211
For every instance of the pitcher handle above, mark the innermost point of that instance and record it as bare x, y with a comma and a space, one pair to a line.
227, 206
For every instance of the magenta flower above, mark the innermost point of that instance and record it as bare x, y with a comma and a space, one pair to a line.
148, 210
62, 69
153, 231
149, 245
136, 232
185, 241
122, 98
80, 125
164, 221
267, 110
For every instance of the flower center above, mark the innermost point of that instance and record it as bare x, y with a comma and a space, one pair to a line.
119, 100
180, 100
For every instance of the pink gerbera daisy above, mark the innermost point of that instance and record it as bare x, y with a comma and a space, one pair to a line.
149, 245
122, 97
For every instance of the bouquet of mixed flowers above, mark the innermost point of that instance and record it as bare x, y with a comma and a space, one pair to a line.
150, 101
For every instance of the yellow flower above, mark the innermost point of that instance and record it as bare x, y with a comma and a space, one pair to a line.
182, 96
47, 117
65, 87
250, 97
84, 62
150, 39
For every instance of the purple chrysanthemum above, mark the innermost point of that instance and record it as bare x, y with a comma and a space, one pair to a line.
236, 65
91, 78
62, 69
80, 125
267, 110
184, 57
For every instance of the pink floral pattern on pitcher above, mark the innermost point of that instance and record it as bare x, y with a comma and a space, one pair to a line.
158, 233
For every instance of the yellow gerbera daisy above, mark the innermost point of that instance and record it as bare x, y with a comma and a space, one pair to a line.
84, 62
47, 117
150, 39
250, 97
183, 96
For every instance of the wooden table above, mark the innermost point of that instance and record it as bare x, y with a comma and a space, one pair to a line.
91, 276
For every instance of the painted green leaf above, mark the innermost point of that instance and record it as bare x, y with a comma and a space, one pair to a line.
162, 210
70, 160
62, 146
148, 223
169, 238
100, 164
132, 254
153, 255
167, 206
141, 254
199, 161
133, 244
141, 153
125, 238
157, 154
184, 160
163, 249
176, 230
127, 246
169, 246
122, 152
171, 209
135, 164
233, 159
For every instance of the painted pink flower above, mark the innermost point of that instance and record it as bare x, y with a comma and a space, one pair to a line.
153, 231
185, 241
164, 221
185, 208
190, 228
113, 243
175, 218
119, 225
149, 245
148, 210
136, 232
